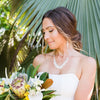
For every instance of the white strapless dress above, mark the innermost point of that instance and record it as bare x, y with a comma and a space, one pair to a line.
65, 85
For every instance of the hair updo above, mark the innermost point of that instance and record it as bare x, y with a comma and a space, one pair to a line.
66, 24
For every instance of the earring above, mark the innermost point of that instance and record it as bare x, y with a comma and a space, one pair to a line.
67, 44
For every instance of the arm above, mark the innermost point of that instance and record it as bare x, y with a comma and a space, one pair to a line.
86, 83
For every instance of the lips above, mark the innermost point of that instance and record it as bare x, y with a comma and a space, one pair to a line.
50, 42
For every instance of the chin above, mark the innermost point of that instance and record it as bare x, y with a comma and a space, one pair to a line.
52, 47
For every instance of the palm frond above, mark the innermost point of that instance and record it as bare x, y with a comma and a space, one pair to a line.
87, 13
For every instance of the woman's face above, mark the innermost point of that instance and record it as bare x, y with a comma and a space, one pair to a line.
53, 38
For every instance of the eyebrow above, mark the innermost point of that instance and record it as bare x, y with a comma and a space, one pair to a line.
47, 27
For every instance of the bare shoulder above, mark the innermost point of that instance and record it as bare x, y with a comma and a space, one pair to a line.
41, 58
88, 64
38, 60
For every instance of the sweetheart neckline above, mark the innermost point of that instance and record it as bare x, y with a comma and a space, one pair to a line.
63, 75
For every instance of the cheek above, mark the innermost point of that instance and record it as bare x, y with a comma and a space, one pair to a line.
56, 35
58, 40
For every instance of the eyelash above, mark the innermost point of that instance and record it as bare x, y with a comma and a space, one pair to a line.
49, 31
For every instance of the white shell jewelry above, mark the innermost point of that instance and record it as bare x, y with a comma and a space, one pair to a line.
61, 66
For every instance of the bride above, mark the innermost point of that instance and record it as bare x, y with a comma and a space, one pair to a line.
73, 73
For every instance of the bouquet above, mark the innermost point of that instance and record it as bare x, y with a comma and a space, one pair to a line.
26, 85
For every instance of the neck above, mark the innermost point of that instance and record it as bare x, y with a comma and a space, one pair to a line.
64, 50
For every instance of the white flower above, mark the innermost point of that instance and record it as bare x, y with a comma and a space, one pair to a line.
23, 75
13, 76
38, 88
30, 82
7, 81
3, 90
32, 92
35, 82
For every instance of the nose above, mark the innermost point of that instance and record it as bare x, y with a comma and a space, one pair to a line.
46, 36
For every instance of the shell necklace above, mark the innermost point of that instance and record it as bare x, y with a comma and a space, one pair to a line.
61, 66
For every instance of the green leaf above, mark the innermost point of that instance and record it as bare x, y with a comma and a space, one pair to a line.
6, 86
48, 92
23, 70
30, 70
3, 95
0, 79
35, 71
12, 95
44, 76
7, 97
48, 97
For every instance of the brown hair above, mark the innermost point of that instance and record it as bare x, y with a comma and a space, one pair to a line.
66, 24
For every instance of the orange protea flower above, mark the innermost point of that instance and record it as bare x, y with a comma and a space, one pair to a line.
47, 83
18, 87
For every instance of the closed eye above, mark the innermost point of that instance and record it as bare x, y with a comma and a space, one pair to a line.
51, 31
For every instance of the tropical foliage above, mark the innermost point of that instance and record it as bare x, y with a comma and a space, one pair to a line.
10, 35
29, 14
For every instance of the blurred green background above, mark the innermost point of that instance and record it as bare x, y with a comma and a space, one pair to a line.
20, 31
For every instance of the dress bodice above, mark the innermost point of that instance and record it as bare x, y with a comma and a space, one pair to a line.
65, 86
